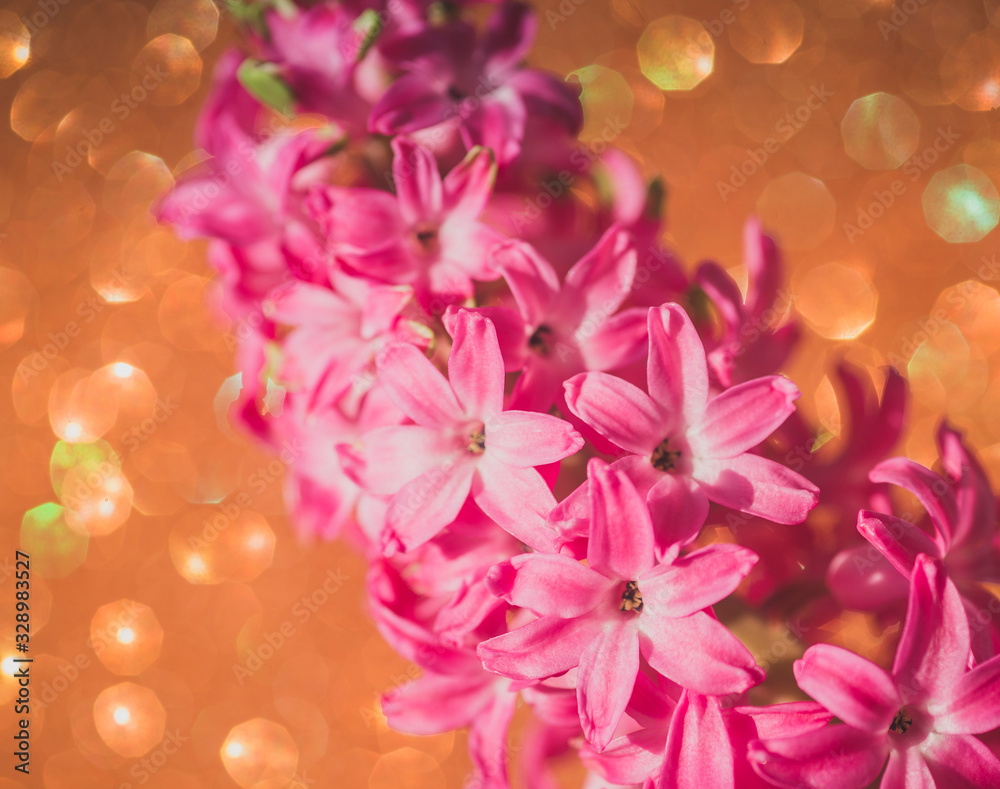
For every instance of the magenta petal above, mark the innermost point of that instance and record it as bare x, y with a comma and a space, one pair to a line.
974, 704
540, 649
518, 500
695, 581
418, 183
600, 281
835, 757
699, 653
426, 505
960, 761
907, 769
488, 741
677, 373
619, 341
608, 668
549, 584
743, 416
928, 487
618, 410
933, 651
678, 507
533, 282
525, 439
699, 753
467, 188
629, 759
758, 486
854, 689
417, 387
409, 104
475, 367
621, 534
898, 540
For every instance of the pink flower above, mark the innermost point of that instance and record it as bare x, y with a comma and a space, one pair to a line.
426, 235
559, 330
602, 617
482, 87
684, 447
921, 717
962, 511
463, 443
758, 337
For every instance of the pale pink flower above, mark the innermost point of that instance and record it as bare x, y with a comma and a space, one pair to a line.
463, 443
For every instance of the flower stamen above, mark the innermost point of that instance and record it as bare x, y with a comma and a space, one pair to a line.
539, 341
477, 442
663, 458
631, 598
902, 722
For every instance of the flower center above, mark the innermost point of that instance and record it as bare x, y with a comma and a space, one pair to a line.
902, 722
426, 236
664, 458
477, 442
631, 598
539, 341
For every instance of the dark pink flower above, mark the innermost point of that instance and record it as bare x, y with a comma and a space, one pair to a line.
922, 716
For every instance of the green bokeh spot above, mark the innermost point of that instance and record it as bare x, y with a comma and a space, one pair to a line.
96, 458
961, 204
55, 549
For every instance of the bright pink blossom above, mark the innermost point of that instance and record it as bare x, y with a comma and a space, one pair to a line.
682, 446
602, 617
426, 235
922, 716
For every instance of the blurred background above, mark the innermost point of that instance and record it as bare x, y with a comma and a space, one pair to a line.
181, 636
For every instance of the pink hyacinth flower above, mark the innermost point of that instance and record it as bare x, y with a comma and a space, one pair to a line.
463, 443
683, 447
426, 235
558, 329
922, 716
602, 617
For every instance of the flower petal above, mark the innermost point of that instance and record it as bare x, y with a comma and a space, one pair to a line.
549, 584
758, 486
960, 761
679, 508
618, 410
834, 757
677, 373
743, 416
898, 540
621, 533
599, 282
518, 500
418, 183
933, 651
932, 491
608, 668
392, 456
854, 689
417, 387
695, 581
699, 753
974, 707
907, 769
524, 439
425, 505
436, 703
540, 649
468, 186
699, 653
532, 280
475, 366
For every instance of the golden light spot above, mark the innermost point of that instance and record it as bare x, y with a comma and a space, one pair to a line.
126, 635
123, 369
73, 431
676, 53
234, 750
121, 715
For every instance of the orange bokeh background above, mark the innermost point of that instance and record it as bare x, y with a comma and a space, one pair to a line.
181, 636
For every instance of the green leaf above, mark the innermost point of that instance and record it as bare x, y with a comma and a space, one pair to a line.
261, 80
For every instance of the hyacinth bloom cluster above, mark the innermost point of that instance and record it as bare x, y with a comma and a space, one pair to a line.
573, 464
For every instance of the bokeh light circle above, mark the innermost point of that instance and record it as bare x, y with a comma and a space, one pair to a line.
880, 131
676, 53
961, 204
